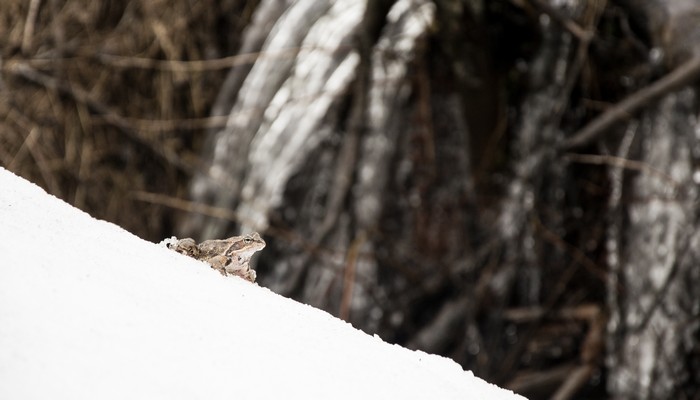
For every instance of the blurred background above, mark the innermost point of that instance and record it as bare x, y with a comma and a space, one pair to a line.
509, 183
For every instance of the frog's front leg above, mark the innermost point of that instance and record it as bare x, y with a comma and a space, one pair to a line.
242, 270
219, 263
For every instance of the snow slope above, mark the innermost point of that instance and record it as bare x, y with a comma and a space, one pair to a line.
90, 311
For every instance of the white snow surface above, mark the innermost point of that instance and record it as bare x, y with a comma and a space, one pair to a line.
90, 311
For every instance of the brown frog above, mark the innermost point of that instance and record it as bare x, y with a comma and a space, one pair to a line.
229, 256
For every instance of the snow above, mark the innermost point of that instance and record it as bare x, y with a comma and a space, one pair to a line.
88, 310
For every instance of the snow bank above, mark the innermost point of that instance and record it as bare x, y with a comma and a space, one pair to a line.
90, 311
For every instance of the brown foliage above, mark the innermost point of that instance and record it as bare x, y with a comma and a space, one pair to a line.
102, 99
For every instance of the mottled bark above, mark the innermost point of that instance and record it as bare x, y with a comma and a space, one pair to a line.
310, 124
654, 324
652, 246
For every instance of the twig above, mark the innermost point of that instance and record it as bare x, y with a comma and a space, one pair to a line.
574, 381
618, 162
196, 65
577, 255
189, 124
568, 23
186, 205
349, 276
81, 96
586, 312
591, 354
539, 381
29, 145
35, 151
660, 293
29, 24
683, 75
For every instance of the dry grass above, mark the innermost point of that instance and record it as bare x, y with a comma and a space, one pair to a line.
99, 100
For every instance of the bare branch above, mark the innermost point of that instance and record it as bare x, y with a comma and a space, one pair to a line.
686, 73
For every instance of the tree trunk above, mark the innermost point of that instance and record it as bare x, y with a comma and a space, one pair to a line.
311, 141
653, 251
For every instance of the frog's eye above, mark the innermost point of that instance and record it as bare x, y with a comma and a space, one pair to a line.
248, 240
